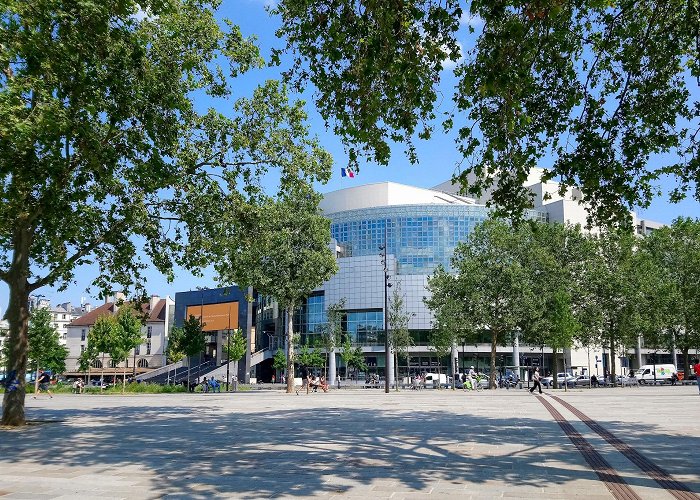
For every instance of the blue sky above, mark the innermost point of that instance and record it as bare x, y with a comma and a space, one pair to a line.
438, 158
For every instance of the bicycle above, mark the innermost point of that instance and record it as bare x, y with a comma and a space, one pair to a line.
468, 385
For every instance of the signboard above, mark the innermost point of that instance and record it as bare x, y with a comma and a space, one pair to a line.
222, 316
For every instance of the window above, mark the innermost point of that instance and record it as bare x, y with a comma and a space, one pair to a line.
149, 332
63, 316
82, 334
96, 364
112, 363
137, 349
142, 363
82, 349
148, 347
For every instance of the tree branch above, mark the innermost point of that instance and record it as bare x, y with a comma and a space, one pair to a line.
70, 262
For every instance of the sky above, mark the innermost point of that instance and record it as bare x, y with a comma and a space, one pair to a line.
438, 158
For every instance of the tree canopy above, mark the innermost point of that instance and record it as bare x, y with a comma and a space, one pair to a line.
595, 90
287, 255
45, 349
104, 157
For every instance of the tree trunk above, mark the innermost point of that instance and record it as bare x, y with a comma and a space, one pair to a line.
396, 370
492, 375
102, 372
188, 374
36, 378
555, 363
17, 316
290, 351
612, 361
686, 363
124, 380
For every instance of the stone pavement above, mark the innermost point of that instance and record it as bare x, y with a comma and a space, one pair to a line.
347, 444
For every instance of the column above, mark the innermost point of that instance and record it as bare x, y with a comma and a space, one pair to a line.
390, 367
331, 368
249, 334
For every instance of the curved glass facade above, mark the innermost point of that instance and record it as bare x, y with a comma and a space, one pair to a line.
420, 236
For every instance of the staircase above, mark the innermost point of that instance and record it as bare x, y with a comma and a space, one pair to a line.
195, 372
255, 358
163, 369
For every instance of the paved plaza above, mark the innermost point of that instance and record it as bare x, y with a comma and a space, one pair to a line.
359, 444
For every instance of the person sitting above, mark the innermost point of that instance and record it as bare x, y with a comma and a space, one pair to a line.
78, 386
205, 385
323, 384
314, 383
214, 384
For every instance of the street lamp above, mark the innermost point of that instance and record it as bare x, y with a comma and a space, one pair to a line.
383, 249
228, 347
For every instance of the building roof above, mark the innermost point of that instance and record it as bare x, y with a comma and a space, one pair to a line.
89, 319
158, 312
157, 315
386, 194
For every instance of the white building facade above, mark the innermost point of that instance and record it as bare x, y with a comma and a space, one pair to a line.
150, 354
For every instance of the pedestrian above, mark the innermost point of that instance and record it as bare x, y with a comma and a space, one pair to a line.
536, 379
44, 381
697, 372
273, 378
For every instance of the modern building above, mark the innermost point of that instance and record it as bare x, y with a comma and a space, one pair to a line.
158, 314
420, 229
221, 311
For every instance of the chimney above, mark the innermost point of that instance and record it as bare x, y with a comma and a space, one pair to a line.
154, 300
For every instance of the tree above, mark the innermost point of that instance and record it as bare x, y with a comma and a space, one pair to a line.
675, 253
104, 157
189, 340
45, 349
619, 282
491, 287
125, 338
279, 361
597, 88
100, 339
563, 326
310, 357
557, 258
352, 356
286, 253
173, 351
400, 338
332, 331
235, 348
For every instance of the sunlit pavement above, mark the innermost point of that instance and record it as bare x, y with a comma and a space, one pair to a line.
348, 443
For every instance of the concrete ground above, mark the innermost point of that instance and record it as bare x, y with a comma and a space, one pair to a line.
350, 444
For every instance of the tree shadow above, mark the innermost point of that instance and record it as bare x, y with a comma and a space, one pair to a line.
212, 451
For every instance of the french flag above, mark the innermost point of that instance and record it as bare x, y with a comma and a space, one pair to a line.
346, 172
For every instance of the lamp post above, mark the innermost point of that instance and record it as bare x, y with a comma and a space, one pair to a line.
228, 347
387, 354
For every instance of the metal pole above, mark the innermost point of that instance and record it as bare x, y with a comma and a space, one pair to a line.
228, 349
386, 311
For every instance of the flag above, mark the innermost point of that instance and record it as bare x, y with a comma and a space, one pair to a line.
346, 172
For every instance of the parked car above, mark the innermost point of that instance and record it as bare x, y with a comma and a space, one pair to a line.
583, 381
646, 374
561, 377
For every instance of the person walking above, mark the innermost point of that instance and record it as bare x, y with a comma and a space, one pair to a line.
696, 369
536, 379
44, 381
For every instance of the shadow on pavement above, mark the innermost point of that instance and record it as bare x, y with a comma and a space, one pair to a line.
210, 451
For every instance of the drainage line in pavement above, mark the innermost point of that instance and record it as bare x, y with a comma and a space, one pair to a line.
663, 478
612, 480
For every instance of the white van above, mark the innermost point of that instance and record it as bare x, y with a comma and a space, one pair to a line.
431, 380
645, 373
